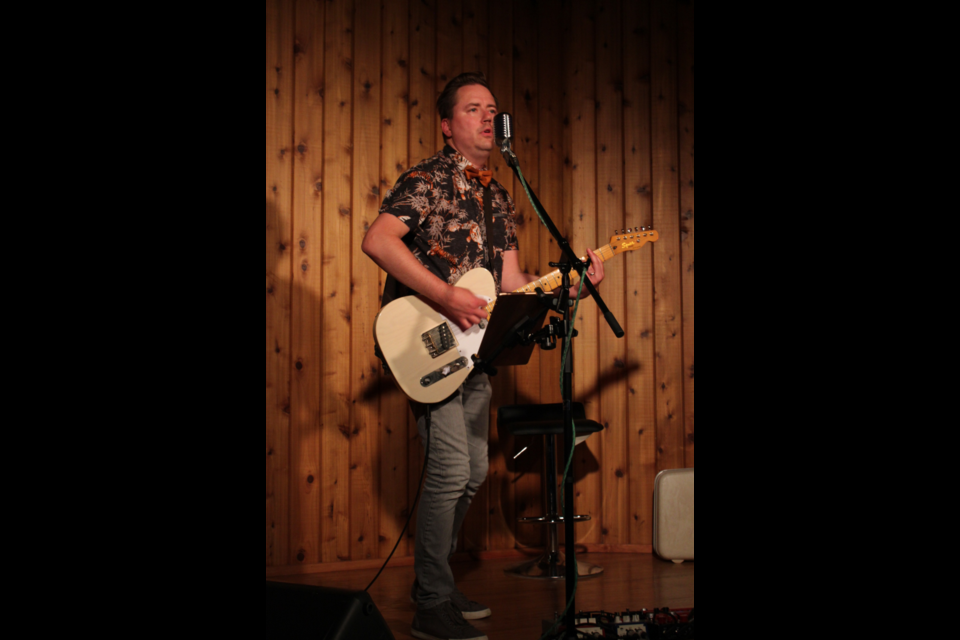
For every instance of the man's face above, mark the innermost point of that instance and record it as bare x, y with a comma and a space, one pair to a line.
470, 126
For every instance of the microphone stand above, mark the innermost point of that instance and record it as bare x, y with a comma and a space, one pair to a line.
572, 261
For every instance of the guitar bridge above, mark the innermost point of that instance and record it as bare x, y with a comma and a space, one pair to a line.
443, 372
438, 340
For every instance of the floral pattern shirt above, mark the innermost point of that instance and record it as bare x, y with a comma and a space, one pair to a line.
444, 212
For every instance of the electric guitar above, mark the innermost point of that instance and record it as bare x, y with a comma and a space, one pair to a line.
430, 356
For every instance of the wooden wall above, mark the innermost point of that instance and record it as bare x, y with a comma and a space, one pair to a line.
602, 97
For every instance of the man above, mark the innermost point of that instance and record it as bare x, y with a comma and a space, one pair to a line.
430, 231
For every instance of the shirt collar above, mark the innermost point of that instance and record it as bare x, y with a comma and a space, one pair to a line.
456, 157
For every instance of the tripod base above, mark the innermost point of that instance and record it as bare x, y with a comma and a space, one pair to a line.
552, 566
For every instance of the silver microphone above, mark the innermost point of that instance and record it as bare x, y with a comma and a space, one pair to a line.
503, 133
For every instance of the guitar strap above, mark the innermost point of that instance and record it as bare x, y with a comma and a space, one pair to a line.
488, 221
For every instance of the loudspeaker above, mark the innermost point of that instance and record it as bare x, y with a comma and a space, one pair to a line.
320, 613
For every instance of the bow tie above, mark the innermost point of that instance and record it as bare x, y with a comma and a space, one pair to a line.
474, 173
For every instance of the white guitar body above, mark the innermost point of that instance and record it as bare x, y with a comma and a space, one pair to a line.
430, 356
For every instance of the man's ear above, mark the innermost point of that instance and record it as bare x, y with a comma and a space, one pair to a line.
445, 127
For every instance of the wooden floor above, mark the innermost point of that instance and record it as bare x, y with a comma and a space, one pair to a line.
629, 581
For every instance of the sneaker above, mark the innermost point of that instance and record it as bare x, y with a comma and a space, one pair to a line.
443, 622
470, 609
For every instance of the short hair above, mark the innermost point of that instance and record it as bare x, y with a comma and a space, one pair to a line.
448, 97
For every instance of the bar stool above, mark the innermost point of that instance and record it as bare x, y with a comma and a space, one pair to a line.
547, 420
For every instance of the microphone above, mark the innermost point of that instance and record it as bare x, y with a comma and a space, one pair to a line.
503, 132
503, 129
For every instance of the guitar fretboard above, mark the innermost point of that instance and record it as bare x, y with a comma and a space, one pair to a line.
554, 279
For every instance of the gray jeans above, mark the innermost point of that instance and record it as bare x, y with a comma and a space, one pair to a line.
456, 468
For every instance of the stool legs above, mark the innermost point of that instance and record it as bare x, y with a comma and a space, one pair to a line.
551, 565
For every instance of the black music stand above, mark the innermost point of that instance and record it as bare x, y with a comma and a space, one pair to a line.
506, 339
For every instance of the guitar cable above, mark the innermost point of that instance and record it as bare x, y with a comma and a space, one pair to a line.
416, 499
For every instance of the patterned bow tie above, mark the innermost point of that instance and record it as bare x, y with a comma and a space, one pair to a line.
484, 176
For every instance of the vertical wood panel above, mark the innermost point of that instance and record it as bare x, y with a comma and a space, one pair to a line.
638, 205
500, 511
424, 141
476, 41
666, 219
364, 286
527, 485
307, 284
569, 68
337, 248
581, 92
449, 42
279, 178
550, 112
686, 222
527, 147
395, 64
613, 350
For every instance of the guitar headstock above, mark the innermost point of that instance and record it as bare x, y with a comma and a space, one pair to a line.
631, 239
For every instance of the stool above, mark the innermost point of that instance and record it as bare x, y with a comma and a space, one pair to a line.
547, 420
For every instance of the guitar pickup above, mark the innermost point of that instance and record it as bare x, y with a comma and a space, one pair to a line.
443, 372
438, 340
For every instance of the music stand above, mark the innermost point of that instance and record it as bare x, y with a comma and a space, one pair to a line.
514, 318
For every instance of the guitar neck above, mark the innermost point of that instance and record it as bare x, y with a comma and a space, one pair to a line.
554, 279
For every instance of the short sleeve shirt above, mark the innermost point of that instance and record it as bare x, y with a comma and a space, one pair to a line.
443, 210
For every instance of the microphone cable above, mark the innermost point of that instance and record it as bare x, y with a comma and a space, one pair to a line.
566, 354
426, 459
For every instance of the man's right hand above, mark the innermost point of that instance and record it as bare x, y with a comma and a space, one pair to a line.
463, 308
